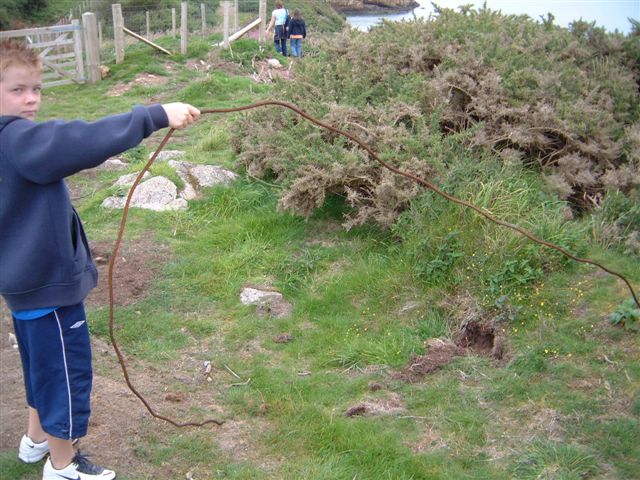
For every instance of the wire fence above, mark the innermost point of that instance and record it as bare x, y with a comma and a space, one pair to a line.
153, 21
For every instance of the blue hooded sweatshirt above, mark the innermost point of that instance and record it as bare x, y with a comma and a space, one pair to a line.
44, 254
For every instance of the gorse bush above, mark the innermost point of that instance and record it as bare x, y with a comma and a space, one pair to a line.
562, 102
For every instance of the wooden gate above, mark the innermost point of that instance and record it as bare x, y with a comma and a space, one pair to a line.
60, 50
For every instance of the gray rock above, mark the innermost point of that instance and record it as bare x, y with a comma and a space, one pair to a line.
210, 175
268, 302
127, 180
113, 202
167, 155
112, 164
182, 169
160, 194
157, 193
197, 176
254, 296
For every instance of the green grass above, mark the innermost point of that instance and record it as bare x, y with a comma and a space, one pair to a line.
548, 460
11, 467
562, 404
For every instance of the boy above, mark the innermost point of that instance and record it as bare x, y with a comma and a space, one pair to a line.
46, 269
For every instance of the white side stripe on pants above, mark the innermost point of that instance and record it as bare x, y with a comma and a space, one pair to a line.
66, 373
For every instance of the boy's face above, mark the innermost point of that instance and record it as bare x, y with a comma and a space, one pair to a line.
20, 91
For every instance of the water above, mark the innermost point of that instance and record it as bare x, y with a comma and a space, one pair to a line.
365, 22
610, 14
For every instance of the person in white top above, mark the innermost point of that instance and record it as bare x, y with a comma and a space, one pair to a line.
280, 22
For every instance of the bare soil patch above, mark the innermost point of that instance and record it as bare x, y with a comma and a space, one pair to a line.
265, 73
439, 353
475, 334
430, 440
389, 404
137, 263
213, 63
142, 79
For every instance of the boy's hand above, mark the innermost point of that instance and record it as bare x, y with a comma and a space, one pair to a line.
181, 114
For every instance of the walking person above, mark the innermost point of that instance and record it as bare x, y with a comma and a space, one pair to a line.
279, 22
297, 31
46, 270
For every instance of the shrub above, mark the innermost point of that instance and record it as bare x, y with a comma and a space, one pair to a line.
561, 102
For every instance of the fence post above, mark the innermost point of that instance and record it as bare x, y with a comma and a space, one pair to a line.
263, 17
204, 18
235, 16
226, 6
90, 25
184, 28
118, 33
77, 49
100, 34
173, 22
146, 17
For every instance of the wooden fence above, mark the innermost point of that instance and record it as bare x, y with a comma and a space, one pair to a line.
230, 9
71, 53
60, 48
261, 22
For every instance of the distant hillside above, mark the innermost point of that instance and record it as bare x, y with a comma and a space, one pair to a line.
319, 15
366, 4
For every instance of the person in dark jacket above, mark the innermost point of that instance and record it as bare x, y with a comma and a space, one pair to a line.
297, 31
46, 270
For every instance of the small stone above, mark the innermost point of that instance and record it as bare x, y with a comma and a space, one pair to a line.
174, 397
283, 338
254, 296
375, 386
357, 410
207, 367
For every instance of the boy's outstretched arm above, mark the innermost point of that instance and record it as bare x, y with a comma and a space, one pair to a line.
50, 151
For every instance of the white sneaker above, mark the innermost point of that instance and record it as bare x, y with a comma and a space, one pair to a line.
80, 468
30, 451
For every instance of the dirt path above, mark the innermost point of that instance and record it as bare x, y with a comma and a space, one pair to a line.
118, 418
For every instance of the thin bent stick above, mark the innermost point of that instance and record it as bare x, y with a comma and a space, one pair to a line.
112, 261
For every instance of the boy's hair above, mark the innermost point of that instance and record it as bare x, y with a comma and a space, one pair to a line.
13, 53
296, 14
279, 5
